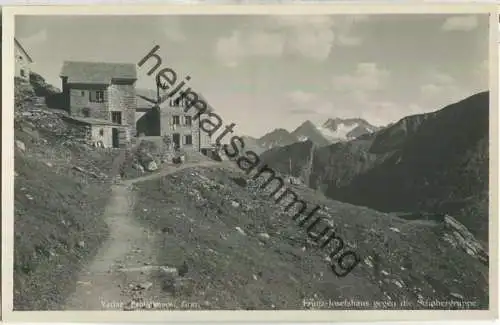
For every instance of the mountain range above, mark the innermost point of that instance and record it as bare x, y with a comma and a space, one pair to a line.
426, 164
332, 131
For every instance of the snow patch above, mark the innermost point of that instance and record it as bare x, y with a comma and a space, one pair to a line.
340, 133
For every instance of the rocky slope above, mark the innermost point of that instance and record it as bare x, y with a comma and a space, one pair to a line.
254, 144
428, 163
239, 250
276, 138
309, 131
60, 189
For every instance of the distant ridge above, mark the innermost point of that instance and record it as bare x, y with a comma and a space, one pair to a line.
436, 162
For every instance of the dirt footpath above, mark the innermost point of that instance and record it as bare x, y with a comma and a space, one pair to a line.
121, 275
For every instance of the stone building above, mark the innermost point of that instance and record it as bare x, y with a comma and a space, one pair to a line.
102, 94
22, 62
96, 132
171, 121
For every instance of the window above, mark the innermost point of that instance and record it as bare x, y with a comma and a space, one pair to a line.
178, 102
83, 93
116, 117
20, 57
96, 96
86, 112
101, 132
188, 139
23, 74
187, 120
176, 120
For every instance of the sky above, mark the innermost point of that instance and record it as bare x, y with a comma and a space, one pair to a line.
263, 72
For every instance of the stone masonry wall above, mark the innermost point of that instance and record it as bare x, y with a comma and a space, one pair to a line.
79, 101
167, 113
123, 98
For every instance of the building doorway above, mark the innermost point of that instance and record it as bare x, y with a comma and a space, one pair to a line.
115, 138
176, 139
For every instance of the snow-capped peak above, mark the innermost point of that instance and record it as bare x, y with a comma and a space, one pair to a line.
345, 129
340, 133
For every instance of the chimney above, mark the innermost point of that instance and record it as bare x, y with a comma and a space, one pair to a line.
158, 93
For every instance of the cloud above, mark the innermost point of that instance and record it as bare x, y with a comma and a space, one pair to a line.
320, 107
308, 36
301, 97
265, 44
430, 90
384, 112
349, 40
368, 105
442, 89
355, 94
315, 36
34, 39
375, 111
301, 111
460, 23
367, 77
438, 84
345, 30
301, 102
240, 44
484, 66
172, 28
441, 78
364, 93
313, 43
482, 75
174, 35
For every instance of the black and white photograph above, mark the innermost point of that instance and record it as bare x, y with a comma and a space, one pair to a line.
251, 162
1, 251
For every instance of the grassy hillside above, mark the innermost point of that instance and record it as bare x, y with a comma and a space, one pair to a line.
243, 252
60, 188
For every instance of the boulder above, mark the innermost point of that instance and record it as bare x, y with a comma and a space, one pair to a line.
183, 287
145, 285
139, 167
20, 145
151, 166
167, 277
459, 236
